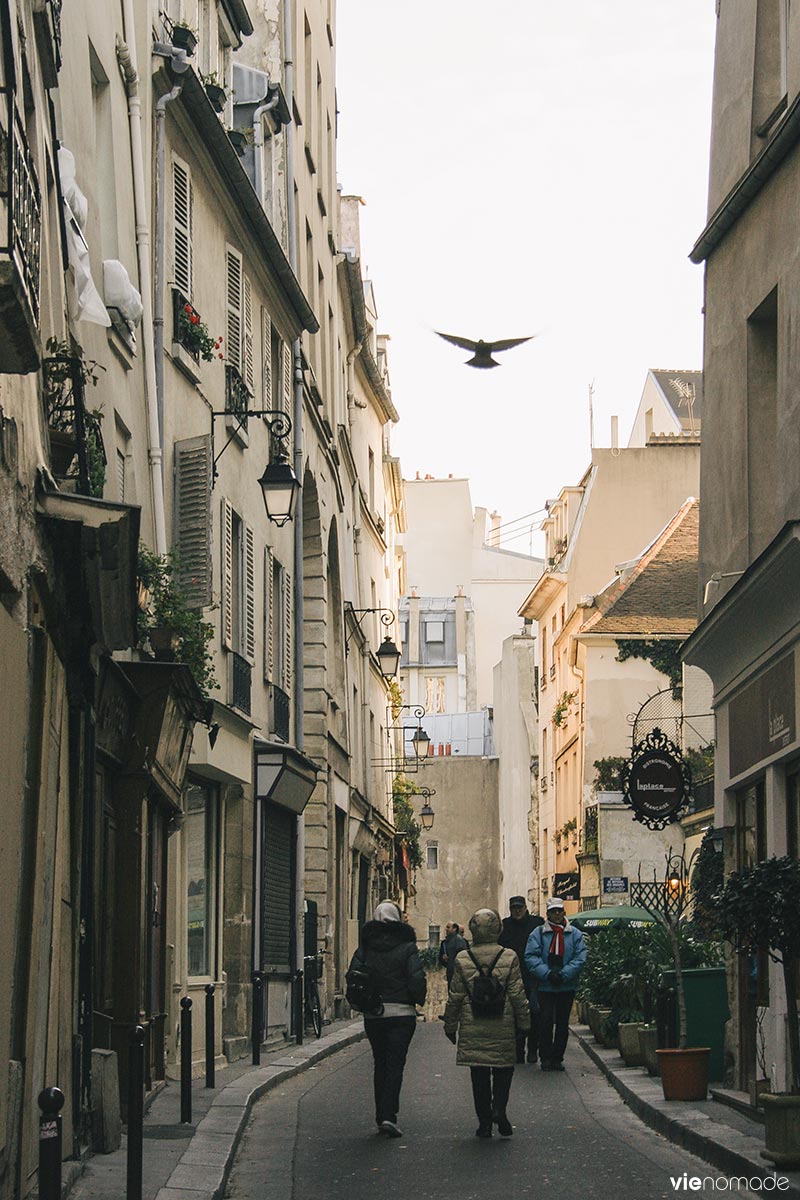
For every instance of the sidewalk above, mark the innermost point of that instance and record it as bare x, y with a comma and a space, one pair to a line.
192, 1162
723, 1136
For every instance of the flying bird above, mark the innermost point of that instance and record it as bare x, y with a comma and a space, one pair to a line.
483, 351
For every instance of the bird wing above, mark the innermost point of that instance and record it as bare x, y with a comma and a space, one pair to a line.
509, 343
464, 343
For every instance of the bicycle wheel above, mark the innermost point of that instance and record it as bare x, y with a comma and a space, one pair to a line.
314, 1008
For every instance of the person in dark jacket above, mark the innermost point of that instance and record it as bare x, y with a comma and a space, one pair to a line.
388, 950
452, 945
517, 928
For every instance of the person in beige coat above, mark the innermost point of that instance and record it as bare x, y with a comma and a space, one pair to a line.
487, 1044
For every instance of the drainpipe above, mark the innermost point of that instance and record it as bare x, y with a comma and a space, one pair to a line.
126, 55
352, 403
258, 143
297, 430
160, 207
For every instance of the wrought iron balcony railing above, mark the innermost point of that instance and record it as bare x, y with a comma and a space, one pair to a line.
20, 240
241, 673
280, 722
76, 443
237, 396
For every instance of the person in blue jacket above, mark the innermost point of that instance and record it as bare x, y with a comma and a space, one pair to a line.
555, 956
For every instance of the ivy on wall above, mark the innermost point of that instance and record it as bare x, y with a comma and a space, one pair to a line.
663, 654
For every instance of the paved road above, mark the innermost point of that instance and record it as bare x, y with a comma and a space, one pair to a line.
574, 1138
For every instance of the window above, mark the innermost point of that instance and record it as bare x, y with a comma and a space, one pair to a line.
238, 584
793, 815
277, 622
761, 424
434, 937
769, 68
193, 517
648, 424
239, 319
434, 631
200, 835
104, 153
371, 487
432, 855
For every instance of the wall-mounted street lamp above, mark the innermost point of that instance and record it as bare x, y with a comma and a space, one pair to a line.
420, 742
387, 654
427, 815
279, 484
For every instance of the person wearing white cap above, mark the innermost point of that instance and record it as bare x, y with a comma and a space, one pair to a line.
555, 955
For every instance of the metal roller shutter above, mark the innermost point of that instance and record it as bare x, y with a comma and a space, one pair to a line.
278, 886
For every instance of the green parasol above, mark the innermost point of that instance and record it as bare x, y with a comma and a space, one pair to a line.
613, 916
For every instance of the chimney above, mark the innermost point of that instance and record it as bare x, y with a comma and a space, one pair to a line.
615, 433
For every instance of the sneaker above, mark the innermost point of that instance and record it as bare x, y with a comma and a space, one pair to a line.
484, 1131
391, 1128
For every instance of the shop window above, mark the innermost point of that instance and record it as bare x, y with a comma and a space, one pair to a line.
200, 835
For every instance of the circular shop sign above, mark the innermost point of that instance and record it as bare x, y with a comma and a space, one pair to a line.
656, 784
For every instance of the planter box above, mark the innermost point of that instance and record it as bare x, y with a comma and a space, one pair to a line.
684, 1073
216, 95
238, 139
185, 39
648, 1045
628, 1033
782, 1122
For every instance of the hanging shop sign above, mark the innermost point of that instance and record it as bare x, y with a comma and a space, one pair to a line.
567, 885
656, 781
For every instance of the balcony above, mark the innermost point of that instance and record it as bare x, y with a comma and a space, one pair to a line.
77, 455
237, 396
240, 677
20, 239
280, 724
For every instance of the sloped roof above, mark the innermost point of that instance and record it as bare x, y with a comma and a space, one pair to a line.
676, 385
659, 596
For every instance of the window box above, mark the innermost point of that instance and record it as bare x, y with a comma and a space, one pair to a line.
217, 96
238, 139
184, 38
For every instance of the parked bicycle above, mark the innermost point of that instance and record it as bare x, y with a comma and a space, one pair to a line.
312, 973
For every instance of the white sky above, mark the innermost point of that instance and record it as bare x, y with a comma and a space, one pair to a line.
531, 166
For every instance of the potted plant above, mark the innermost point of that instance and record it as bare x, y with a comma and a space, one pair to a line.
184, 37
215, 91
165, 621
684, 1069
193, 335
238, 139
758, 912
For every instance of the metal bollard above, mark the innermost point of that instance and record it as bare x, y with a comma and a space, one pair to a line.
186, 1061
255, 1029
210, 1039
50, 1101
299, 1008
135, 1113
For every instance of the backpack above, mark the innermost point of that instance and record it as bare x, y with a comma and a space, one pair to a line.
362, 992
488, 994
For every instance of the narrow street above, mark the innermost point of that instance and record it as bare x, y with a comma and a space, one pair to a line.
573, 1136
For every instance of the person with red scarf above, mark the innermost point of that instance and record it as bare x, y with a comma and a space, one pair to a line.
555, 956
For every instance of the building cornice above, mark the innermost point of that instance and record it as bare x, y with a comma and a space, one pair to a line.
749, 184
350, 267
542, 596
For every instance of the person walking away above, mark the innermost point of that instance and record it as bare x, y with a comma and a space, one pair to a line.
453, 943
555, 956
517, 928
486, 1008
387, 956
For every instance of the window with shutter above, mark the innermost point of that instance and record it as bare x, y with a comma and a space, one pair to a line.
269, 609
226, 540
287, 631
183, 264
193, 518
266, 360
287, 379
234, 328
277, 885
249, 640
247, 302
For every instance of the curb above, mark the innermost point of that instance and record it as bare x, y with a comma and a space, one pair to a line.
203, 1170
691, 1127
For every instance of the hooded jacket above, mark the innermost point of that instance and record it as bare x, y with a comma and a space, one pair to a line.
487, 1041
537, 952
388, 949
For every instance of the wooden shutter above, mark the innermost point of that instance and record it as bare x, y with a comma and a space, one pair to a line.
233, 300
247, 300
192, 467
266, 360
269, 615
287, 631
226, 541
288, 372
183, 263
249, 574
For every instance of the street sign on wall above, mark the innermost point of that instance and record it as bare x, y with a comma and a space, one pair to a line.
614, 883
656, 781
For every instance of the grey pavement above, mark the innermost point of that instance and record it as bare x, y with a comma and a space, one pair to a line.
191, 1162
721, 1135
314, 1136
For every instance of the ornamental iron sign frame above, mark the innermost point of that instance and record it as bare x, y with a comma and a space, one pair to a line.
657, 781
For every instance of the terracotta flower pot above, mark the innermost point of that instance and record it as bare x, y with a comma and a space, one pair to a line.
684, 1073
628, 1033
782, 1126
